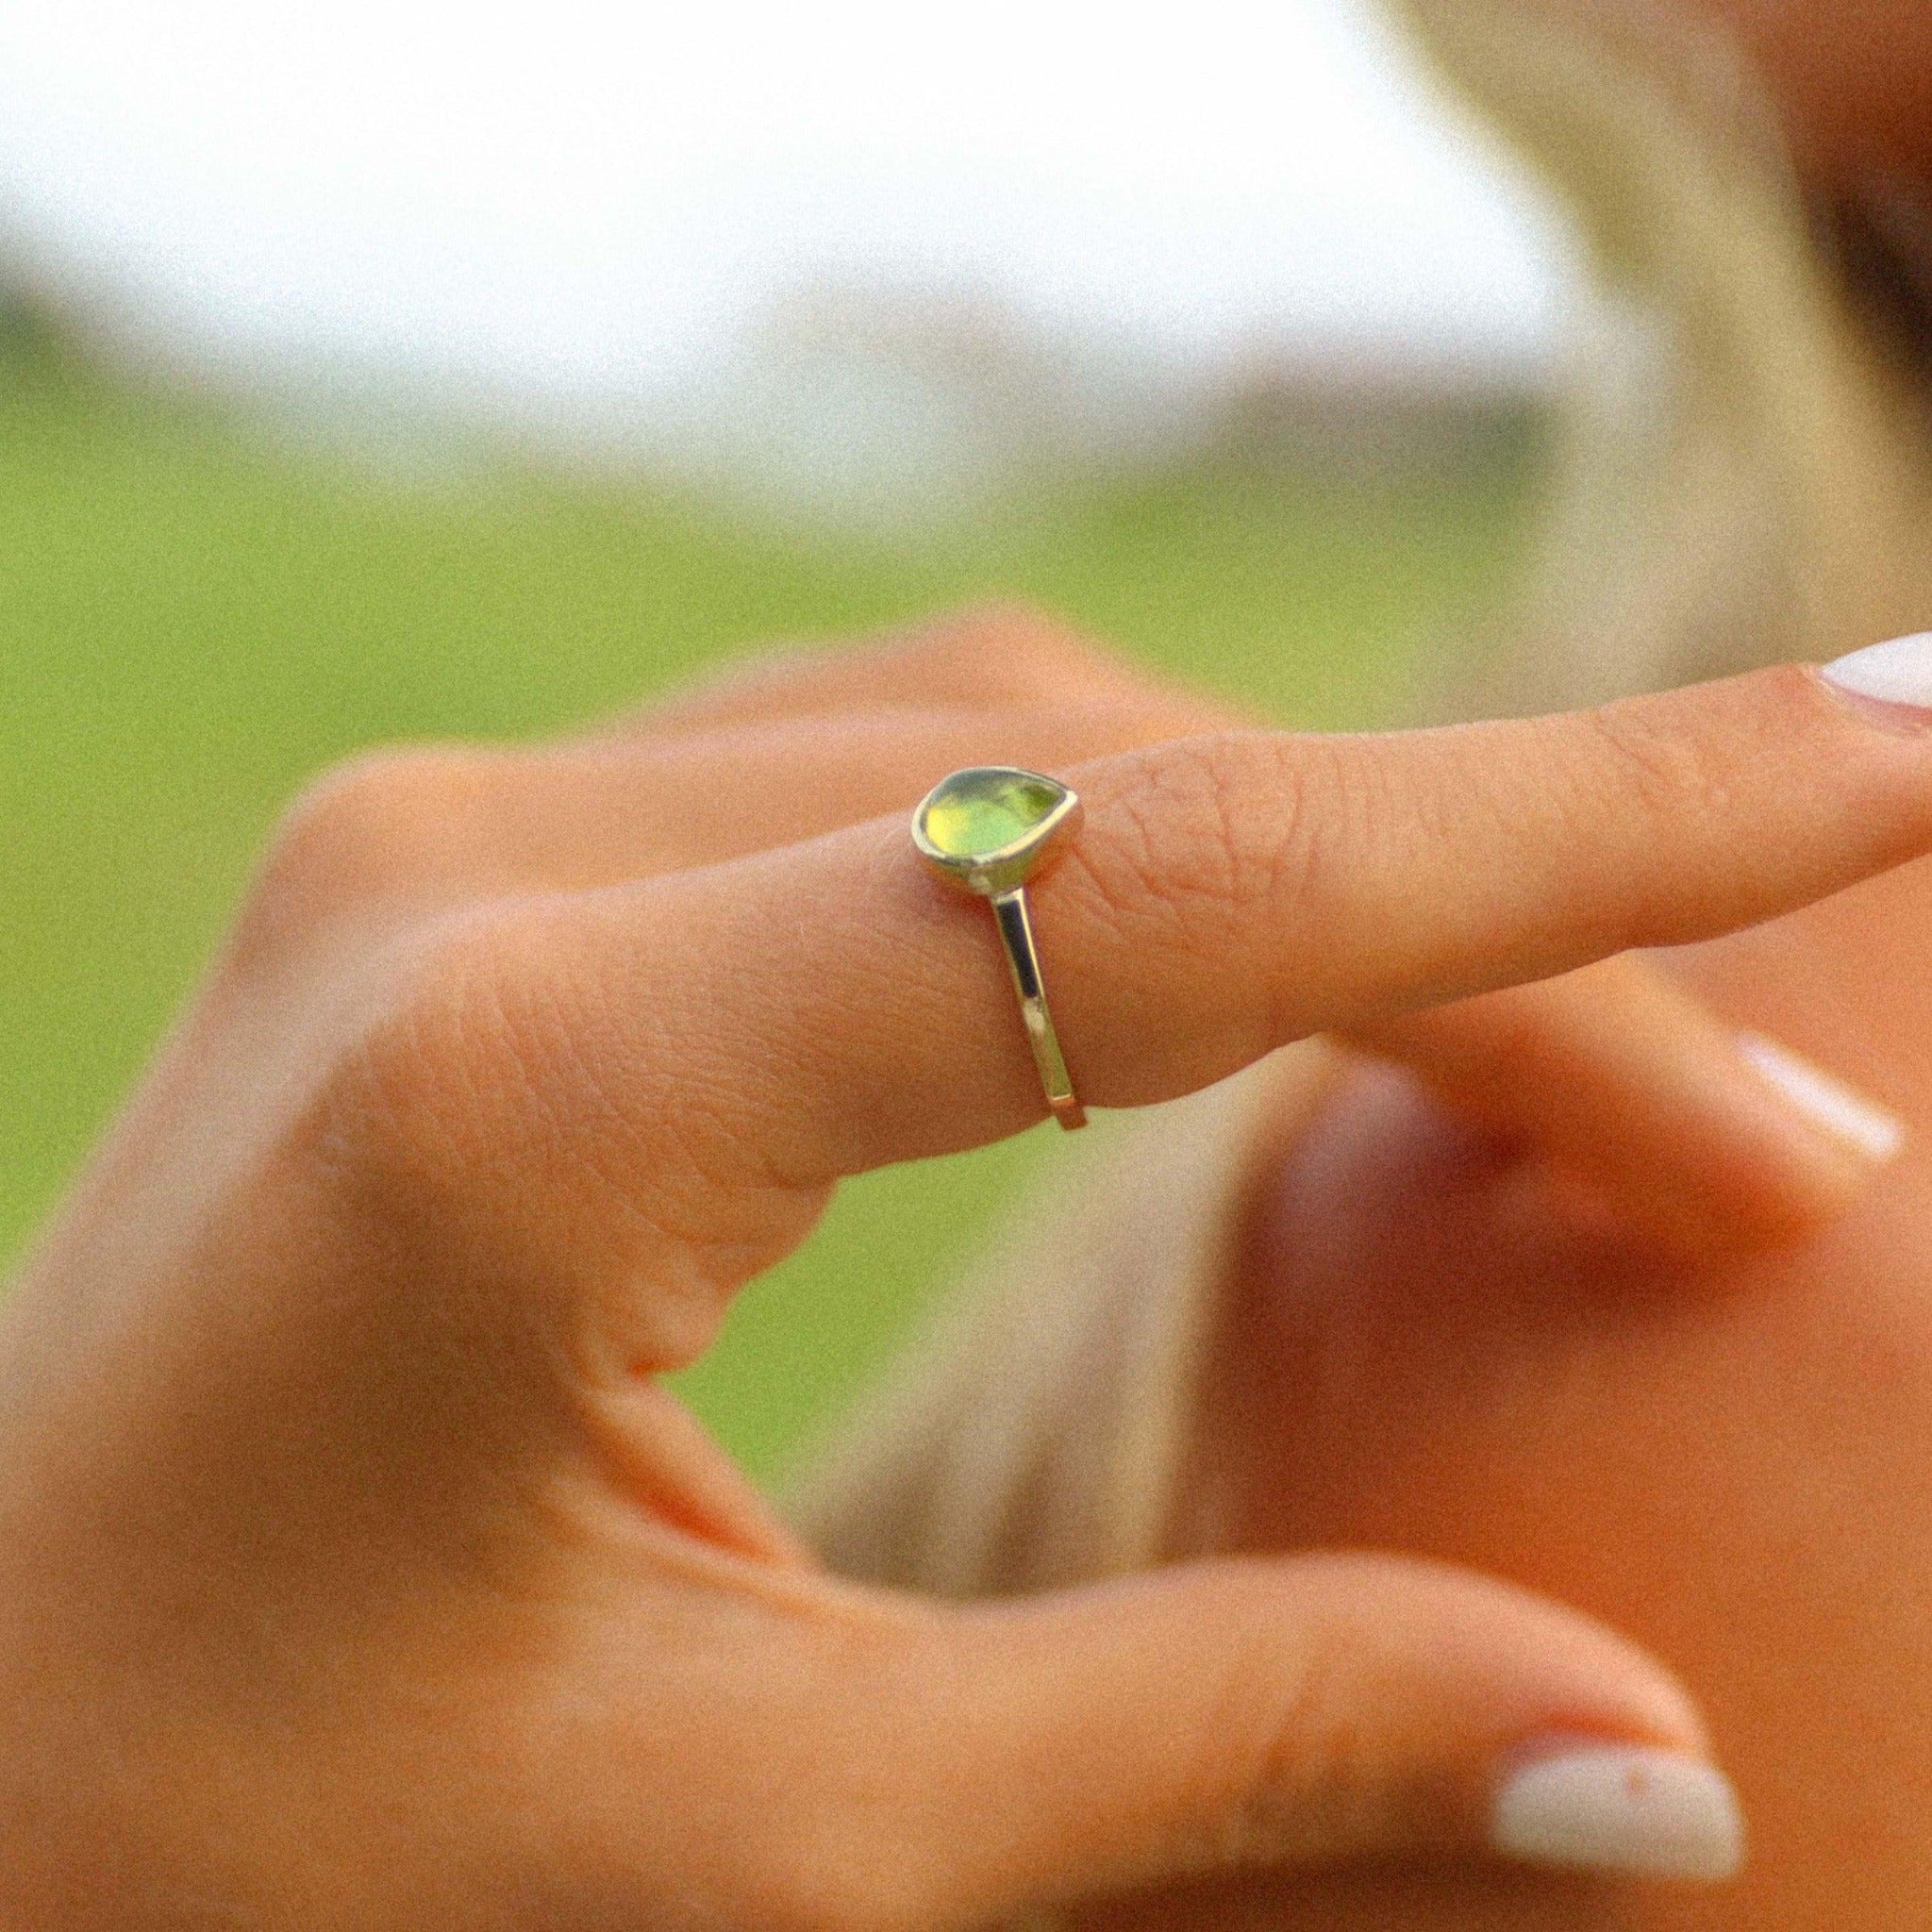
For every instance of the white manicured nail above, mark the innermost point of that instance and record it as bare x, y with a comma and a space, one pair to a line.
1838, 1109
1895, 673
1607, 1808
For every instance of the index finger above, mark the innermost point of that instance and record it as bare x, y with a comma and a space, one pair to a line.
680, 1068
1228, 894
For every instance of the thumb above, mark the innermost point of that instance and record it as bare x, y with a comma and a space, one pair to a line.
1226, 1717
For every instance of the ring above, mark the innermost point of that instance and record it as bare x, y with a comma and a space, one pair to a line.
987, 828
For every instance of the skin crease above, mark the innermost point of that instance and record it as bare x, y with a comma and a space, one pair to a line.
326, 1600
343, 1584
357, 1573
1420, 1357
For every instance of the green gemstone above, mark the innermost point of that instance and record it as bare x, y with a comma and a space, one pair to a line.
978, 812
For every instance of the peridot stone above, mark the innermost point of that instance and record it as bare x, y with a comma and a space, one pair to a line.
978, 812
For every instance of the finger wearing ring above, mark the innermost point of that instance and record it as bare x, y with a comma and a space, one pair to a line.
989, 828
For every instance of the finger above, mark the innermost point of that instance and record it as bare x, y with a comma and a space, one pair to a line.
994, 656
1238, 1716
1613, 1075
685, 1065
1225, 895
1627, 1086
706, 775
605, 813
453, 825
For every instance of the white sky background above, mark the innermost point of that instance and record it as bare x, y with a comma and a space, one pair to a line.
588, 200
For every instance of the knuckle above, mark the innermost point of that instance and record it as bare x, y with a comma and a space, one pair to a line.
418, 1146
507, 1054
1284, 1758
377, 821
1211, 834
1306, 1755
449, 1131
1658, 772
497, 1077
410, 1091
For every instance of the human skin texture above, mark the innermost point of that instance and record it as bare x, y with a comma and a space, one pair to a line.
356, 1572
1422, 1352
357, 1569
1420, 1356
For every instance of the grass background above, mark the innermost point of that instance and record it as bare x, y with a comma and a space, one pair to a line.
195, 615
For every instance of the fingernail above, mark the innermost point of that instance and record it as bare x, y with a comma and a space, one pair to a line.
1838, 1109
1607, 1808
1895, 673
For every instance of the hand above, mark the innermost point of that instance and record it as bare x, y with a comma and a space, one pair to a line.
356, 1568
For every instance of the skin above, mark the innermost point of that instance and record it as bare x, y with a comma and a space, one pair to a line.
354, 1571
356, 1568
1728, 1462
1728, 1465
1852, 78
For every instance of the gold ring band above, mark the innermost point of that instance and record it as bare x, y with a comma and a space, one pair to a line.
989, 828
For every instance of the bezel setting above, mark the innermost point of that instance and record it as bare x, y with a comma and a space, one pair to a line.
997, 869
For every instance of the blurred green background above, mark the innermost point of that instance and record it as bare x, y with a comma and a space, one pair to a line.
196, 614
